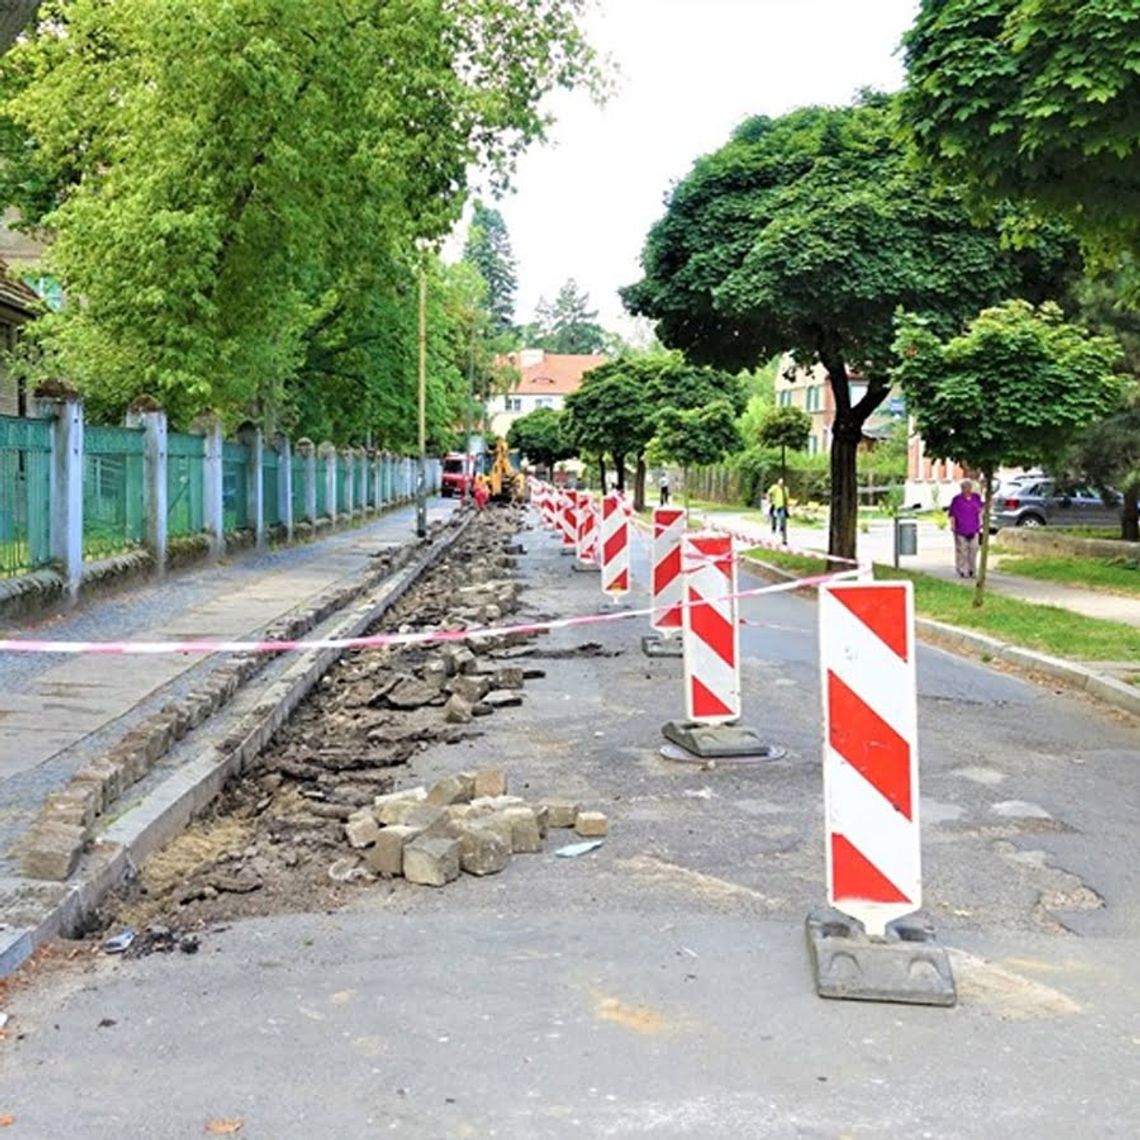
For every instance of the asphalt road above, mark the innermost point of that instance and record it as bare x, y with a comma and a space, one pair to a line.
659, 987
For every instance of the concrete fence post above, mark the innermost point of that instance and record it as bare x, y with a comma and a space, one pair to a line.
377, 489
308, 454
255, 489
284, 484
328, 457
213, 484
153, 424
346, 475
66, 486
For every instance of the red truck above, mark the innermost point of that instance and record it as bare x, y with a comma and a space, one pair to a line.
458, 474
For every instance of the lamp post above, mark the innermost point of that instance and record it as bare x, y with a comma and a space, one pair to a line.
421, 476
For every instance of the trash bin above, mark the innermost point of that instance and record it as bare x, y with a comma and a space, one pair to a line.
906, 536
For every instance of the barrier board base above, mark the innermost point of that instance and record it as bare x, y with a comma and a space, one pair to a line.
907, 966
656, 645
585, 568
714, 741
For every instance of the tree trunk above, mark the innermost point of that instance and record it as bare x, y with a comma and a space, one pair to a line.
784, 465
602, 471
685, 486
639, 484
984, 559
619, 464
1130, 519
842, 529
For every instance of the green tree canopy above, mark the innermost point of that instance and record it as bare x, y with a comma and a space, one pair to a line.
568, 325
1015, 388
237, 188
806, 233
696, 437
1025, 99
617, 408
1108, 456
488, 249
540, 437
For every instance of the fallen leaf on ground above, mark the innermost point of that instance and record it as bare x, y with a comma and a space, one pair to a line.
5, 1121
225, 1127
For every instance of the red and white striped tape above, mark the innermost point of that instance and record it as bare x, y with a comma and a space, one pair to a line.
615, 546
870, 747
669, 526
710, 632
369, 641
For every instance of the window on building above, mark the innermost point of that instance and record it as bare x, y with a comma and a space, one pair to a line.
544, 402
514, 403
813, 445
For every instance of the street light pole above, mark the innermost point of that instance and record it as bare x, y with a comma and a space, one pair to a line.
421, 479
468, 458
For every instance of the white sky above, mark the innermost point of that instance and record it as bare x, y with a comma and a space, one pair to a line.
691, 70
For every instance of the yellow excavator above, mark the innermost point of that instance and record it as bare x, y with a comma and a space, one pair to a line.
507, 484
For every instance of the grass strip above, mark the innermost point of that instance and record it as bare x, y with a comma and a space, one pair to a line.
1109, 575
1047, 629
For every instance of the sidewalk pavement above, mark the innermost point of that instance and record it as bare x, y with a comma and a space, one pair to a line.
936, 557
57, 712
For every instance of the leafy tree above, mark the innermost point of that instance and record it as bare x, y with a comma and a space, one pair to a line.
237, 188
1108, 456
1014, 388
568, 325
785, 427
617, 408
697, 437
1024, 99
806, 233
540, 437
488, 249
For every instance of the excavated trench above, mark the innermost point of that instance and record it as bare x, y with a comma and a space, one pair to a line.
275, 840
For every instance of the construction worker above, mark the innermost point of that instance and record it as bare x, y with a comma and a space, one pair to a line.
481, 493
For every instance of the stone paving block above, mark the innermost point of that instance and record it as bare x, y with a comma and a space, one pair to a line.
362, 830
431, 821
435, 674
590, 824
431, 862
560, 813
457, 710
452, 790
508, 677
458, 659
503, 699
388, 808
470, 687
76, 804
490, 782
482, 851
525, 836
53, 851
497, 803
386, 855
542, 818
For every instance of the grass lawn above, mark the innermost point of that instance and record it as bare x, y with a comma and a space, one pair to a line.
1047, 629
1110, 575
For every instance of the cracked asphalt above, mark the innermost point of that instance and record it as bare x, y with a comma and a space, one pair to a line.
660, 986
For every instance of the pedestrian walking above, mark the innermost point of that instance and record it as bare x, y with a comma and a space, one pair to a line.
966, 525
665, 490
778, 509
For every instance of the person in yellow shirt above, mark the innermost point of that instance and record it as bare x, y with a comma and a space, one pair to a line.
778, 509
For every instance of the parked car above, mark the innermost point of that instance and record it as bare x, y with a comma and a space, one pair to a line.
1028, 503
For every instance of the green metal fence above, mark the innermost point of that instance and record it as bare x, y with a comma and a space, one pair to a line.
113, 492
235, 486
25, 495
185, 470
298, 488
270, 480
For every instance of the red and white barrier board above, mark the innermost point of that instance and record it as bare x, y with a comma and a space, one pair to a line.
870, 765
669, 524
615, 546
587, 530
710, 631
568, 516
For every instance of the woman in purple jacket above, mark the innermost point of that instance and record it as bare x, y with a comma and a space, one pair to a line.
966, 525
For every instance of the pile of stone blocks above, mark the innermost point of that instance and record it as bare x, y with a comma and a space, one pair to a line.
466, 822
